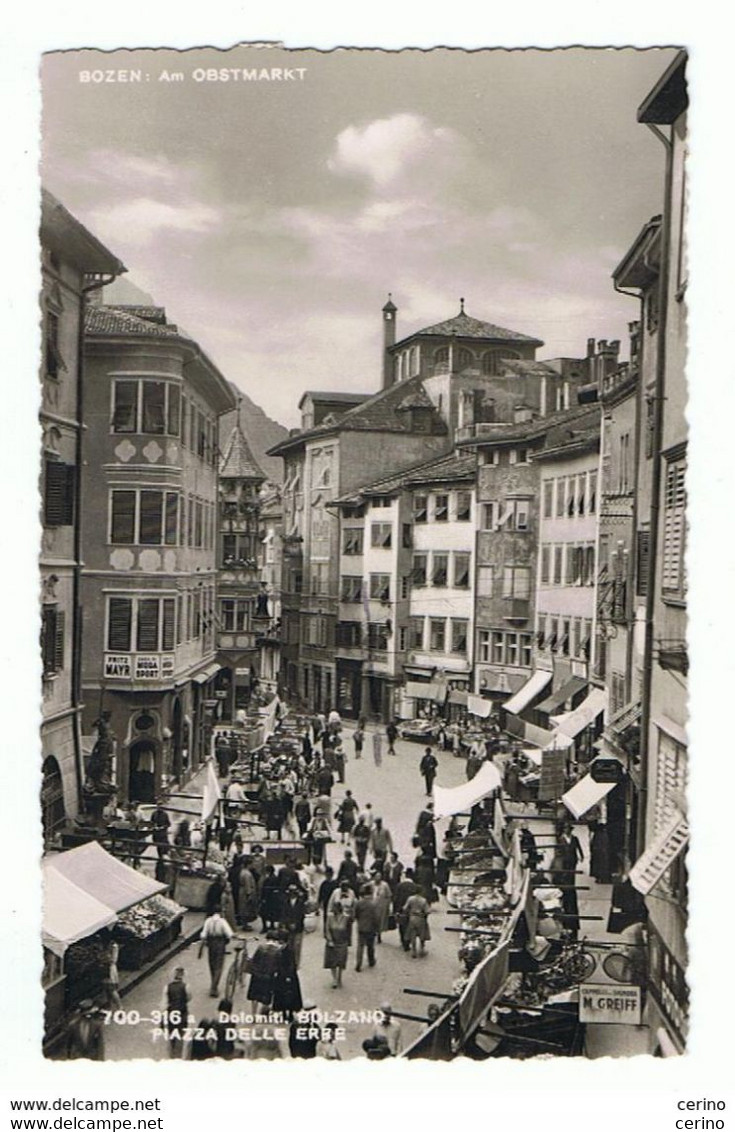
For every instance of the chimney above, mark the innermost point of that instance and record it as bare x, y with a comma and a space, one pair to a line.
390, 310
590, 347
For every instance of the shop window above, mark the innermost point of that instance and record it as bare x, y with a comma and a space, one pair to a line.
58, 493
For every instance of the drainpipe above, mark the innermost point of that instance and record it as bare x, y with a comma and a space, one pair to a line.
98, 282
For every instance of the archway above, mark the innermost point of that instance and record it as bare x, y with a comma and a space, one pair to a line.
53, 811
142, 773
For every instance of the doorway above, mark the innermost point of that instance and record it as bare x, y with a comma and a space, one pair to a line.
142, 772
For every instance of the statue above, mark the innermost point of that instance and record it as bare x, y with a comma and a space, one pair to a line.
99, 768
261, 601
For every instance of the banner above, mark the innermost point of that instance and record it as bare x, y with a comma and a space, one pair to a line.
211, 795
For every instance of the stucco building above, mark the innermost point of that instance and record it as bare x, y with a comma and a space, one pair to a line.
73, 263
151, 511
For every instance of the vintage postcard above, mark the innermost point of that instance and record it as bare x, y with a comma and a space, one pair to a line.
363, 588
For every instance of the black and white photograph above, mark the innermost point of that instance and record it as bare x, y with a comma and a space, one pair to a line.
363, 590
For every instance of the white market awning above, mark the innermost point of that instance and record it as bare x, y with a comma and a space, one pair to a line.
418, 691
459, 799
585, 794
101, 876
529, 691
653, 863
69, 913
479, 706
575, 721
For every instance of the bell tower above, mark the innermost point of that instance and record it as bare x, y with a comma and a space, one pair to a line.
390, 310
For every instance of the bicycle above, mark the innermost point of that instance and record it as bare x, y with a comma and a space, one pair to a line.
238, 968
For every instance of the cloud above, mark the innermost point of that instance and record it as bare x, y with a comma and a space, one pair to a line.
140, 220
391, 152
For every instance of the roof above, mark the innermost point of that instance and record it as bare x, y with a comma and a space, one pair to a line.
669, 97
380, 413
510, 432
457, 467
126, 321
464, 326
63, 234
336, 398
636, 269
576, 441
238, 461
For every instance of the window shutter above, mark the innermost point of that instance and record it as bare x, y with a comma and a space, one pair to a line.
122, 528
48, 639
151, 508
642, 562
119, 621
172, 514
58, 639
169, 619
174, 410
58, 501
148, 609
674, 502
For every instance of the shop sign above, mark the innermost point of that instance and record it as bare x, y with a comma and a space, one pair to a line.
608, 1004
553, 778
117, 666
154, 666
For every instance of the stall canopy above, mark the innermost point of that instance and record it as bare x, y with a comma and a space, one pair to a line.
529, 691
69, 913
575, 721
100, 875
585, 794
206, 673
435, 691
458, 799
479, 706
458, 696
558, 698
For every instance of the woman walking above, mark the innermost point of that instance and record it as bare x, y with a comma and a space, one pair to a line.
416, 910
337, 937
382, 896
377, 748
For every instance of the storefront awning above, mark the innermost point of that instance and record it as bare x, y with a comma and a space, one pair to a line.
653, 863
529, 691
206, 673
458, 696
479, 706
558, 698
418, 691
69, 913
575, 721
459, 799
102, 876
585, 794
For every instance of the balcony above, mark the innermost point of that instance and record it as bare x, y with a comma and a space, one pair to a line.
516, 608
673, 656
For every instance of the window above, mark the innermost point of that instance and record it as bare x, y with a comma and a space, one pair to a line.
416, 633
464, 506
484, 646
548, 499
624, 466
581, 494
58, 494
381, 535
670, 779
319, 574
406, 536
589, 566
378, 636
237, 550
148, 624
650, 424
558, 563
519, 521
545, 565
151, 517
441, 508
52, 639
420, 508
642, 562
420, 566
485, 581
380, 587
441, 359
53, 359
489, 516
525, 649
439, 569
516, 581
592, 496
571, 496
119, 624
561, 508
147, 407
498, 647
350, 588
674, 530
575, 565
405, 586
168, 632
234, 615
348, 634
518, 456
459, 636
461, 570
465, 358
437, 634
565, 638
122, 522
352, 540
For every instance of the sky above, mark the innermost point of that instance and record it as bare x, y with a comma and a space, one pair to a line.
272, 218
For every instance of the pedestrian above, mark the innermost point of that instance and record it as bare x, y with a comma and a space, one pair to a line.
361, 835
263, 966
475, 760
416, 911
228, 906
247, 904
316, 838
600, 853
339, 761
302, 812
366, 920
175, 1009
391, 733
528, 847
204, 1043
112, 982
383, 897
269, 903
428, 766
216, 934
286, 985
388, 1030
405, 888
345, 815
377, 748
358, 738
293, 912
85, 1033
381, 843
345, 894
224, 1045
326, 888
393, 871
337, 933
161, 824
325, 780
426, 831
348, 869
304, 1033
567, 855
327, 1045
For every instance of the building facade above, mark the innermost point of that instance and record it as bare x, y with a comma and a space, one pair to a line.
73, 263
151, 517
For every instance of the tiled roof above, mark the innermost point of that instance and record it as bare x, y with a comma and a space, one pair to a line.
238, 461
117, 321
464, 326
526, 367
457, 467
505, 433
336, 398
